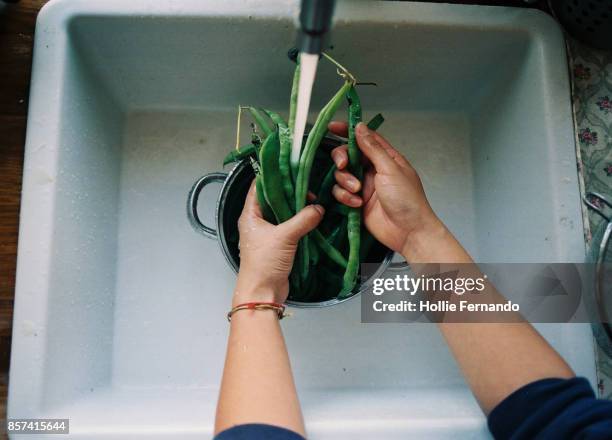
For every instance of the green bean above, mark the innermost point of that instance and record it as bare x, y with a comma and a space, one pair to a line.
292, 112
275, 117
284, 134
354, 153
284, 163
313, 288
302, 258
313, 252
268, 158
238, 154
261, 122
354, 215
295, 284
325, 192
329, 180
312, 143
267, 212
339, 208
333, 253
306, 158
338, 240
331, 238
307, 290
376, 122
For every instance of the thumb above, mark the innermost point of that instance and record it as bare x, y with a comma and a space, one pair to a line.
303, 222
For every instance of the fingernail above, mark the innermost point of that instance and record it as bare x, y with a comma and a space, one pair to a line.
319, 208
355, 201
354, 184
362, 128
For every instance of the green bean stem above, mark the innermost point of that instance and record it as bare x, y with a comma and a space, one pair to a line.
354, 215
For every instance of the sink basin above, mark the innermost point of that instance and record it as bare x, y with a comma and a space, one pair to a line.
120, 306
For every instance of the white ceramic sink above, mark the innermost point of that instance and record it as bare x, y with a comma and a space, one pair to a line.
120, 306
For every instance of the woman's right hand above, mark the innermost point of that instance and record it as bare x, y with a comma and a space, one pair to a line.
395, 207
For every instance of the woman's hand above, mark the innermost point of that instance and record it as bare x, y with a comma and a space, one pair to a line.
395, 207
267, 251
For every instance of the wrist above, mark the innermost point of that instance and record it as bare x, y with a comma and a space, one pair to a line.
434, 243
247, 291
419, 242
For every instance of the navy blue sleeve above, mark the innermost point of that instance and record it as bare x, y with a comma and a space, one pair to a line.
256, 431
552, 408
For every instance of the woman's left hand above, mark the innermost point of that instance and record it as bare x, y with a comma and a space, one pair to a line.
267, 251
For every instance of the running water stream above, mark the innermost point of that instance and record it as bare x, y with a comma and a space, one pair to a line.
308, 70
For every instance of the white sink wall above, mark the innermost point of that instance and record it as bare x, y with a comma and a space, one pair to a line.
119, 314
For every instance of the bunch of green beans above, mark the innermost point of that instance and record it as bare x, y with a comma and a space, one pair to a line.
328, 258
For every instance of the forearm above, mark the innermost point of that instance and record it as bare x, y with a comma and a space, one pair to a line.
495, 358
257, 385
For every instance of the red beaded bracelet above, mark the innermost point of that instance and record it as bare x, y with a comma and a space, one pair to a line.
280, 308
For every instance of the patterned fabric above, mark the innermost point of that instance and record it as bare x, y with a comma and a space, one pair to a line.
591, 72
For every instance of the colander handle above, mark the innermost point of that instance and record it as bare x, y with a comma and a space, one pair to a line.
192, 203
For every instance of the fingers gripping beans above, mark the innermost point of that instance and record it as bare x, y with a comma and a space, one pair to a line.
329, 179
282, 190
